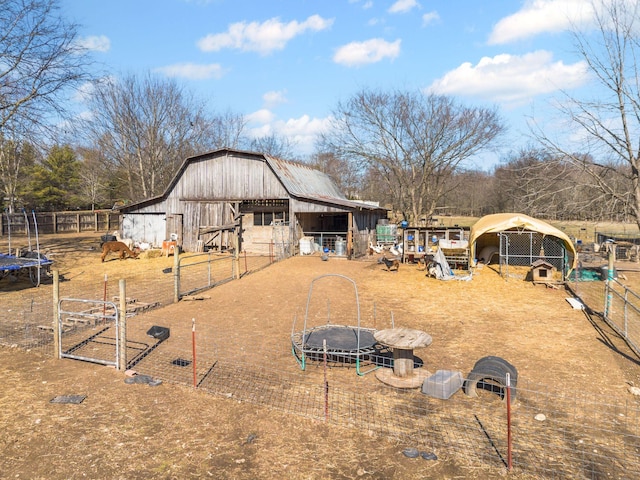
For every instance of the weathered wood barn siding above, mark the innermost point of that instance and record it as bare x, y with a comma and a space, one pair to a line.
209, 190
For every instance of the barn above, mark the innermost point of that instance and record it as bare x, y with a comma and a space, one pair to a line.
265, 204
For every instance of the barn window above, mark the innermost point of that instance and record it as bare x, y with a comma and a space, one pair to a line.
266, 212
261, 219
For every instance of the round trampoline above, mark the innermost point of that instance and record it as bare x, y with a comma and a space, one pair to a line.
343, 344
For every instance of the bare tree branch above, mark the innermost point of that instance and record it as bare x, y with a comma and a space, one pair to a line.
415, 142
148, 126
41, 62
609, 161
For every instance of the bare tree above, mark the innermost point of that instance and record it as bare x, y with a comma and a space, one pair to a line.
274, 145
92, 185
478, 197
41, 61
347, 180
148, 127
224, 130
16, 158
411, 141
609, 153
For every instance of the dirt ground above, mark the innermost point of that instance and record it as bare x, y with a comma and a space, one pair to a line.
171, 431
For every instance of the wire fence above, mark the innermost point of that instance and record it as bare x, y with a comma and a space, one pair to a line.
622, 312
553, 434
26, 318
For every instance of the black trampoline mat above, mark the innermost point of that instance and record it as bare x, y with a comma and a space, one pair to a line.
339, 338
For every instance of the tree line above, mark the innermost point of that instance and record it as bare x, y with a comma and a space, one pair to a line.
410, 151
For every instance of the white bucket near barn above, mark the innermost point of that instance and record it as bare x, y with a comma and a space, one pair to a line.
341, 247
306, 245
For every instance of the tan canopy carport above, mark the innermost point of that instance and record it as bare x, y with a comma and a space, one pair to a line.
482, 235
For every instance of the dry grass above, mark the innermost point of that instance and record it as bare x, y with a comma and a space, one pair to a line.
172, 431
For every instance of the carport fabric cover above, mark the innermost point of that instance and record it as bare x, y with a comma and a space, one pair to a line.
501, 222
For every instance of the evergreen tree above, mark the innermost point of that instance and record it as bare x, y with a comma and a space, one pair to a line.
54, 183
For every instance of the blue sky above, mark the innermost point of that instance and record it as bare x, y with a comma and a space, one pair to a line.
285, 64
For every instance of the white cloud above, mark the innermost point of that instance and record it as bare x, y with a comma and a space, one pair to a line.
302, 131
511, 79
83, 92
193, 71
262, 116
429, 18
365, 6
539, 16
369, 51
97, 43
263, 38
274, 98
403, 6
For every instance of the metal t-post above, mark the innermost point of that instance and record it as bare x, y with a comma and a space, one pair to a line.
176, 275
610, 270
122, 326
56, 308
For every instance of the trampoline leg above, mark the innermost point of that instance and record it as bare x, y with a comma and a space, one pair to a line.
361, 373
301, 361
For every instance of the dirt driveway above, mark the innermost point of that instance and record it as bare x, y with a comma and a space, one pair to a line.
172, 431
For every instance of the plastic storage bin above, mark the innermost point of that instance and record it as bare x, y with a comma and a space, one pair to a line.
442, 384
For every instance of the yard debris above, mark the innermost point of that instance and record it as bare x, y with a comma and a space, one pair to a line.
428, 455
250, 439
633, 390
143, 379
411, 452
74, 399
575, 303
196, 297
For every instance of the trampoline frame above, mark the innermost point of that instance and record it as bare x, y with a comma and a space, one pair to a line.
303, 352
33, 263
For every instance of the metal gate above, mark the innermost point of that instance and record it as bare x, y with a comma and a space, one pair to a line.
89, 331
522, 248
281, 240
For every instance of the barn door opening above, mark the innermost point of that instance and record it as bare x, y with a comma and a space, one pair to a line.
174, 227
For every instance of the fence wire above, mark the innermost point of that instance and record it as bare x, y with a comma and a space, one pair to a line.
578, 436
555, 434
